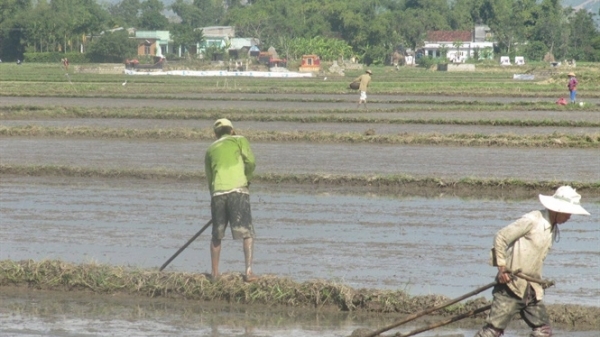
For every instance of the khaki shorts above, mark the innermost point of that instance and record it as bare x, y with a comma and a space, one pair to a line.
506, 305
233, 209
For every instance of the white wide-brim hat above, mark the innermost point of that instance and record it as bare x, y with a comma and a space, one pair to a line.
564, 200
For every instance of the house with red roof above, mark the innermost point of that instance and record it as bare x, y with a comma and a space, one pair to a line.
459, 45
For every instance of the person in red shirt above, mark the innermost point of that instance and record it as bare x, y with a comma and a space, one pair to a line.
572, 85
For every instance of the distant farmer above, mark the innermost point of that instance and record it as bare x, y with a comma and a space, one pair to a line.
523, 245
229, 164
65, 63
572, 85
364, 80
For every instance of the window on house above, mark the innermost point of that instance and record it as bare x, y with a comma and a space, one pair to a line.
146, 50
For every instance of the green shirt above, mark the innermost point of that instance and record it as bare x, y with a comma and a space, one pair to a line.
229, 164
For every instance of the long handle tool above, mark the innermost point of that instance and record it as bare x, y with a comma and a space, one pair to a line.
430, 310
186, 244
446, 322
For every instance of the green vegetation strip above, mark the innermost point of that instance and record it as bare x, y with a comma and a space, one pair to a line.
488, 80
458, 87
504, 140
382, 182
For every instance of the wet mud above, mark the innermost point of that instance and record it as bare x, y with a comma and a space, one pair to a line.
421, 242
303, 158
27, 313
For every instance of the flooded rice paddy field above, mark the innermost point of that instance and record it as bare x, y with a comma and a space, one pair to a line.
433, 244
303, 158
307, 109
241, 126
420, 245
39, 313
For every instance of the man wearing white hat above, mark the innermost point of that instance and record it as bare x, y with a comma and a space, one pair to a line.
523, 245
364, 80
229, 165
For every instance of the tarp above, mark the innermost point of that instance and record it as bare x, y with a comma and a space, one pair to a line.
221, 73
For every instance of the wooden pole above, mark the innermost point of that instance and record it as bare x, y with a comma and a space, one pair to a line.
430, 310
446, 322
186, 244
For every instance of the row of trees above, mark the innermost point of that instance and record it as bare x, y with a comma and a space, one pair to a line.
369, 29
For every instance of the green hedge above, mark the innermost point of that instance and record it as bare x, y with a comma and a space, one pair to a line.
53, 57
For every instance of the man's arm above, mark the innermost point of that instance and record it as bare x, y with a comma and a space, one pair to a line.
247, 157
208, 171
505, 238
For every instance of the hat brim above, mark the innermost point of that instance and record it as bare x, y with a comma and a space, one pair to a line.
560, 206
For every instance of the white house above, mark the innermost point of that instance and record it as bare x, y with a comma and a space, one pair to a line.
459, 45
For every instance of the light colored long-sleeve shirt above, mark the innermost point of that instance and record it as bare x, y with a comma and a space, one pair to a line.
524, 245
364, 80
229, 164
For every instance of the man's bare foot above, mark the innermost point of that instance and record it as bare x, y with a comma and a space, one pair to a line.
250, 278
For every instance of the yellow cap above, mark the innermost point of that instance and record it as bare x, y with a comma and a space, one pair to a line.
222, 122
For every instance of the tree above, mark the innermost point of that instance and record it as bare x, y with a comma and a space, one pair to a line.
126, 13
551, 27
186, 37
112, 47
151, 17
582, 30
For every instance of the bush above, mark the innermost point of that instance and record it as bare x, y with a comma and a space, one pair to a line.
428, 62
112, 48
54, 57
535, 51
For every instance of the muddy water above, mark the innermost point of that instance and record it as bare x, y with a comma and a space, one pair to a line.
33, 314
420, 245
241, 126
423, 246
430, 161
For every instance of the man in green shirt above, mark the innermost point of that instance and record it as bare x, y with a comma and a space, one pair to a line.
523, 245
229, 164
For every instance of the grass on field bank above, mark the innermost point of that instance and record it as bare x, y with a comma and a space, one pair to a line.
381, 182
230, 288
145, 112
503, 140
51, 80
